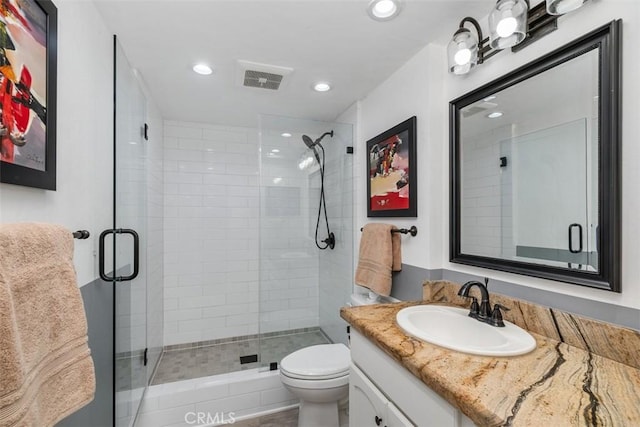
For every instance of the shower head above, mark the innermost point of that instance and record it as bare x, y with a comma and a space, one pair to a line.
311, 143
308, 141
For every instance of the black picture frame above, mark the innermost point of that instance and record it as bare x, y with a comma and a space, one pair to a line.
28, 158
392, 172
607, 41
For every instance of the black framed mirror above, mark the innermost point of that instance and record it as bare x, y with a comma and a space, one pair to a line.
535, 167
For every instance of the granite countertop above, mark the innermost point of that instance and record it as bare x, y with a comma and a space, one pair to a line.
557, 384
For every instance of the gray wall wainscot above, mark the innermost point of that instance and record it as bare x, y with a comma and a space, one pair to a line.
98, 305
407, 286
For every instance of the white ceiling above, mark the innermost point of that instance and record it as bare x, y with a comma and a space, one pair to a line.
331, 40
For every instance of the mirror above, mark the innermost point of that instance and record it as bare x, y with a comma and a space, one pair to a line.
535, 167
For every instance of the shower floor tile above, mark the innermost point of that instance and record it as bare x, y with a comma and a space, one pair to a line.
189, 363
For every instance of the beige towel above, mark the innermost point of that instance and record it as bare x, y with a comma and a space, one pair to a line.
46, 370
380, 253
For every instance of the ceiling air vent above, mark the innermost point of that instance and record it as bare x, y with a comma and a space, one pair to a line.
253, 78
262, 76
474, 109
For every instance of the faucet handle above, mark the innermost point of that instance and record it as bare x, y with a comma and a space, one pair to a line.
475, 307
496, 315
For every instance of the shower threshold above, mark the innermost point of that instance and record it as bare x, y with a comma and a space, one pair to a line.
206, 358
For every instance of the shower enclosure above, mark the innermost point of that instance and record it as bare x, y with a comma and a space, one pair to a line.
245, 283
243, 275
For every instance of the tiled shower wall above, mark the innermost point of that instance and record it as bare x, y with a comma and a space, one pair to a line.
336, 266
239, 253
288, 255
211, 232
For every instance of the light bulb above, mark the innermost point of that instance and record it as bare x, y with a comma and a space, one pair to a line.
506, 26
462, 57
384, 8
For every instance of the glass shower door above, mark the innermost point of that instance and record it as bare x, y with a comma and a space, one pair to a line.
302, 286
129, 237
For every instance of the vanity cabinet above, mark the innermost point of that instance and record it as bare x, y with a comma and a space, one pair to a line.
369, 407
381, 389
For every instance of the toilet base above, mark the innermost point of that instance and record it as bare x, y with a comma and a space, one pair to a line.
314, 414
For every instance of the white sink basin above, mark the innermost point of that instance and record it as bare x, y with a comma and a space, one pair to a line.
452, 328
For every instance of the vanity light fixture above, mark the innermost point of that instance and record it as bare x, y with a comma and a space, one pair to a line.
508, 23
512, 23
383, 10
560, 7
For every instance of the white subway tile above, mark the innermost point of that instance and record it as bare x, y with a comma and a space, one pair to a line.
182, 132
187, 143
201, 302
226, 137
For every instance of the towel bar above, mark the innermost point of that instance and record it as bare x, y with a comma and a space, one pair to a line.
81, 234
413, 230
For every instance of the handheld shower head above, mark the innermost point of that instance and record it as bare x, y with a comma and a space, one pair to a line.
311, 143
312, 146
308, 141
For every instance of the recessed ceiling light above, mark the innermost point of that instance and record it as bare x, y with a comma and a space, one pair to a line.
275, 150
489, 98
383, 10
322, 87
495, 114
203, 69
286, 134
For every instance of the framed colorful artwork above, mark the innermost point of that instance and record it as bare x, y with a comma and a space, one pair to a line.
28, 50
391, 164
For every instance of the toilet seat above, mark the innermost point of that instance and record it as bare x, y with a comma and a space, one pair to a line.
318, 362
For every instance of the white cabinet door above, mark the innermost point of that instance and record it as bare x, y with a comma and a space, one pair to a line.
367, 406
395, 418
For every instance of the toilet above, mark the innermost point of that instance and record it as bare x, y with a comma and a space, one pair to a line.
319, 377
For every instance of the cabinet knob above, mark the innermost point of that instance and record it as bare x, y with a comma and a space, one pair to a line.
378, 420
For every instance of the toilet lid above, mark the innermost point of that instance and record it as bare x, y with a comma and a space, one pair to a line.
323, 361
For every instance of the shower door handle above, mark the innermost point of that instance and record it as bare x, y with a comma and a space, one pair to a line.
571, 227
136, 255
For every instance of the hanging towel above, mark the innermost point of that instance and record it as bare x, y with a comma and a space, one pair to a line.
46, 370
380, 253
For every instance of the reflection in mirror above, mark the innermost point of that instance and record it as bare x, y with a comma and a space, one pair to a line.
532, 154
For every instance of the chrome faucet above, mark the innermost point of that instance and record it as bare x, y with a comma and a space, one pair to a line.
483, 312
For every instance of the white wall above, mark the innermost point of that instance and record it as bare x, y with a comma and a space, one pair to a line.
406, 93
423, 88
83, 199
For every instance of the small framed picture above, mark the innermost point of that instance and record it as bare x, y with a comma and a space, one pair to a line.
391, 161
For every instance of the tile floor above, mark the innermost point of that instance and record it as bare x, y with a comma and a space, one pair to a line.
188, 363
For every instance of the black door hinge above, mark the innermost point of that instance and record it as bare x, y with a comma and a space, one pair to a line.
146, 132
145, 357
